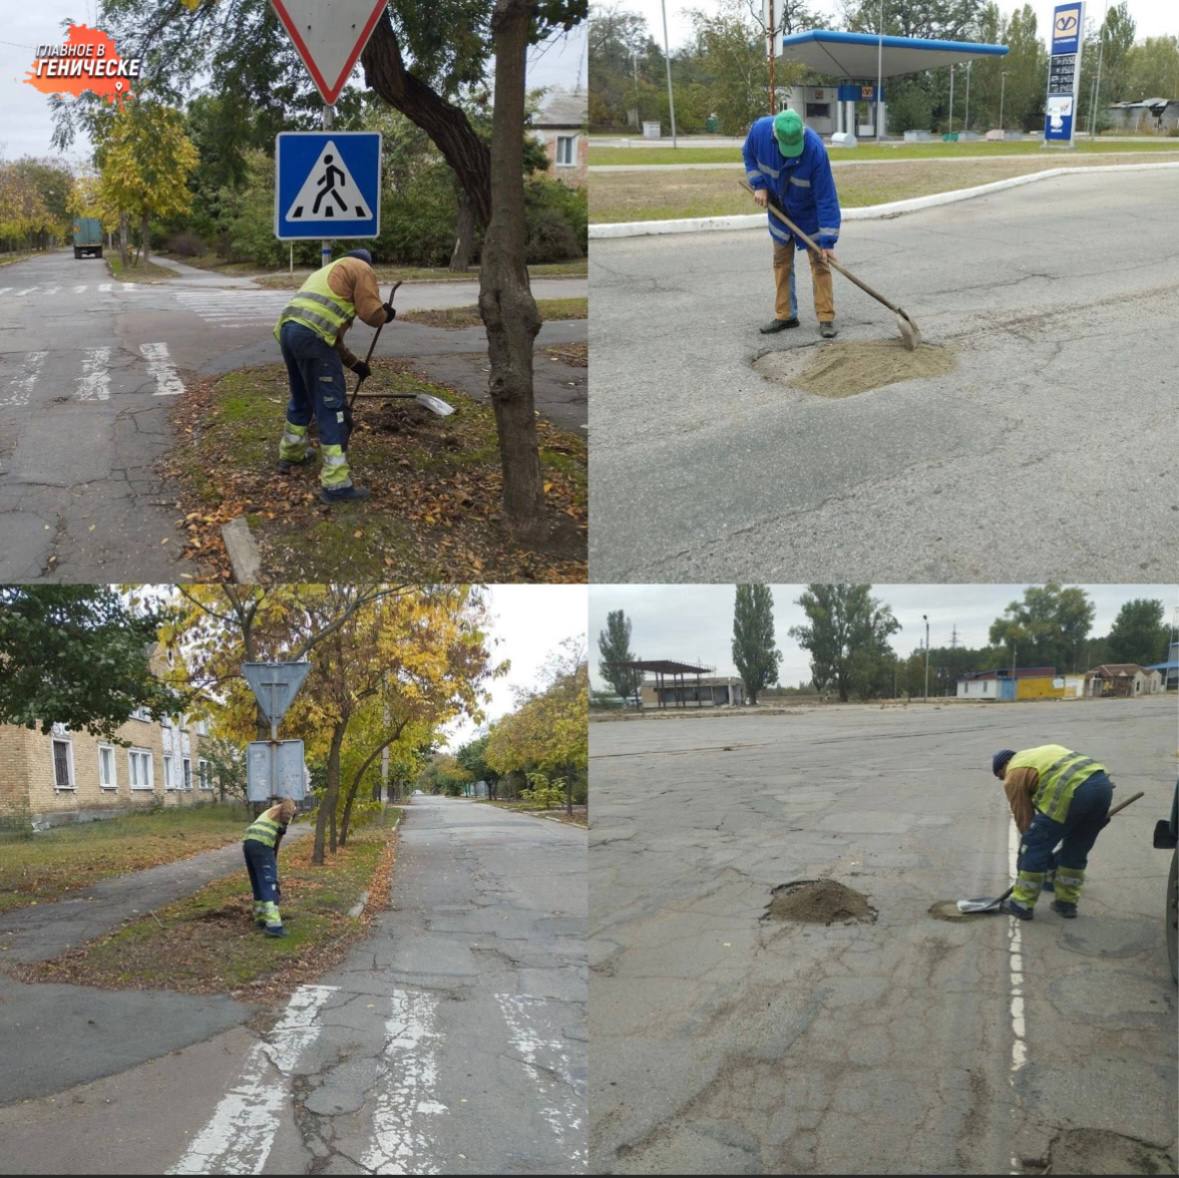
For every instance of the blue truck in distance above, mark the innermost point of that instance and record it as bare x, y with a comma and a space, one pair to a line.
87, 237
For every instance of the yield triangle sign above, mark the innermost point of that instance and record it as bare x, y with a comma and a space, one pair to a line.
275, 685
329, 192
330, 36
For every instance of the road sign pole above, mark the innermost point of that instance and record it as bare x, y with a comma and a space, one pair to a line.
325, 249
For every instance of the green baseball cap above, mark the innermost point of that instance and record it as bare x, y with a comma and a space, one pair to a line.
788, 130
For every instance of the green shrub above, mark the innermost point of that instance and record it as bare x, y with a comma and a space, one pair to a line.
558, 220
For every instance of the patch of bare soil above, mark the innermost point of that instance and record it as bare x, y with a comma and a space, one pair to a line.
1100, 1151
819, 901
854, 366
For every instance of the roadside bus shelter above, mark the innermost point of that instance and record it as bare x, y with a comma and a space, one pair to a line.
855, 59
662, 669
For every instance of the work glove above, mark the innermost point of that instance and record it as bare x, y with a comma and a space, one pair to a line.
363, 370
390, 312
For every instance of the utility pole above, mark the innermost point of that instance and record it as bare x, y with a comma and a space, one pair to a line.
879, 64
1097, 82
770, 31
951, 129
966, 121
1002, 95
667, 62
925, 619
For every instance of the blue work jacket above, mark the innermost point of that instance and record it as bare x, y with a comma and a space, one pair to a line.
803, 186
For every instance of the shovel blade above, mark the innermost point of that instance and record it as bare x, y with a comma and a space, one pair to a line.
909, 331
981, 905
434, 404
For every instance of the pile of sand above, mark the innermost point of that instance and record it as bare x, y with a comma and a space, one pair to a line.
819, 901
855, 366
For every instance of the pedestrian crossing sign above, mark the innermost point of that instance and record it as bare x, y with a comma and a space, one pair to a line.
327, 185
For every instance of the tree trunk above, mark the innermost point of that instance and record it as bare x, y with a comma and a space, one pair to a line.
505, 300
328, 805
464, 244
124, 245
145, 237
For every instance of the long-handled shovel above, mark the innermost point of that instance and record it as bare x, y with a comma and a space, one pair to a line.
976, 907
909, 330
434, 404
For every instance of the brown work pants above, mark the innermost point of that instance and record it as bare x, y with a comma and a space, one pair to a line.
786, 305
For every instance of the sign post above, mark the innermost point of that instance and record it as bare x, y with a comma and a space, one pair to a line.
1064, 73
275, 686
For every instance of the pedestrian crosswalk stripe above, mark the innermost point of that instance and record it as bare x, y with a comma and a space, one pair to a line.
22, 387
20, 294
95, 383
77, 290
105, 288
4, 289
159, 364
52, 290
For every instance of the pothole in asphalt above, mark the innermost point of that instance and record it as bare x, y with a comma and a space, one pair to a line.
1100, 1151
819, 901
853, 366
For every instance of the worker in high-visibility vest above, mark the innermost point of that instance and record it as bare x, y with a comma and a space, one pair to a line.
1058, 798
310, 332
260, 848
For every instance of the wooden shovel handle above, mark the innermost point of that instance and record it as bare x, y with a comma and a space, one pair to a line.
1123, 805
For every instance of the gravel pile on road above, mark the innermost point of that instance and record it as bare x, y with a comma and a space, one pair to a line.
855, 366
819, 901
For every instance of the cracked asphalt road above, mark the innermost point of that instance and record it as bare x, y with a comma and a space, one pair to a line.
1059, 300
724, 1044
89, 371
452, 1039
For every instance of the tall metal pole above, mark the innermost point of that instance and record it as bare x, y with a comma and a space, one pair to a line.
1097, 84
325, 247
667, 62
1002, 94
925, 618
966, 121
879, 65
770, 38
951, 131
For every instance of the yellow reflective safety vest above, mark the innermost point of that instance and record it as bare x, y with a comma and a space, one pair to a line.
1059, 772
318, 307
264, 830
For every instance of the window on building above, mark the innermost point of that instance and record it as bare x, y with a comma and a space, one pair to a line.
107, 771
187, 773
565, 154
63, 764
168, 782
818, 110
141, 714
140, 768
205, 774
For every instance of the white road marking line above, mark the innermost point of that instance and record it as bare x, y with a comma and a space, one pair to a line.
127, 285
559, 1102
402, 1136
77, 290
95, 384
240, 1134
5, 289
22, 386
51, 290
159, 364
104, 288
20, 294
1019, 1047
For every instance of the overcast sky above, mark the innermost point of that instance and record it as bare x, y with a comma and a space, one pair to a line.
694, 623
27, 127
529, 623
1154, 18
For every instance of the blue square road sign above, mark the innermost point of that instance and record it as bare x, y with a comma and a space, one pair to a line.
327, 185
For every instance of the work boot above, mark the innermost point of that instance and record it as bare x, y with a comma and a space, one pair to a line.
775, 325
1016, 910
343, 494
286, 465
827, 329
275, 930
1065, 909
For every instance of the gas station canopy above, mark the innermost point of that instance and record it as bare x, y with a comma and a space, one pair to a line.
853, 55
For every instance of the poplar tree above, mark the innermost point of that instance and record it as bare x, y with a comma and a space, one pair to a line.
754, 652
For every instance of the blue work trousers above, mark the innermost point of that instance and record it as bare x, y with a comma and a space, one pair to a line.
262, 864
316, 376
1076, 834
